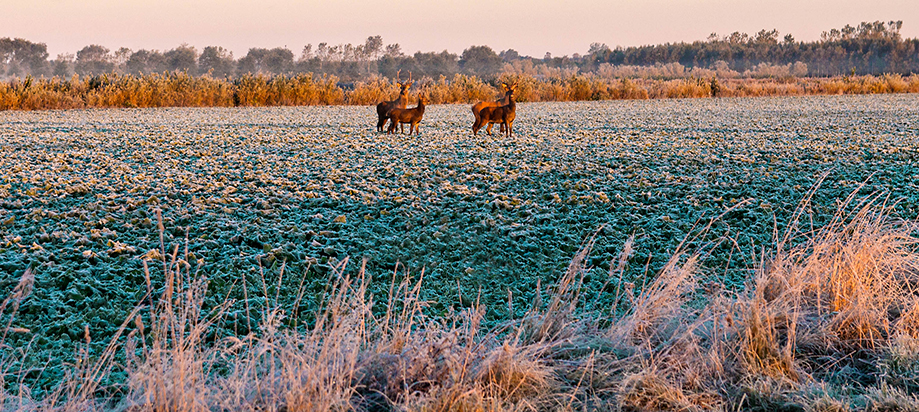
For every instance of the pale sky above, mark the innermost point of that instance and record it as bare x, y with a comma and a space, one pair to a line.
561, 27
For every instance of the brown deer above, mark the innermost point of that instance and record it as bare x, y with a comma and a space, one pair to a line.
504, 115
383, 108
476, 108
411, 116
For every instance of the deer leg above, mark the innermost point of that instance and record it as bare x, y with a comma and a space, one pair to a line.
510, 128
488, 129
380, 123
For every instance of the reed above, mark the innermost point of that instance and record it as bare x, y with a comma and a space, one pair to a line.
536, 84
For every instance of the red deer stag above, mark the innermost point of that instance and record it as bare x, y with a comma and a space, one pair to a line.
476, 108
498, 114
411, 116
383, 108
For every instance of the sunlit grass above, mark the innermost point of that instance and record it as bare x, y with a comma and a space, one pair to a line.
183, 90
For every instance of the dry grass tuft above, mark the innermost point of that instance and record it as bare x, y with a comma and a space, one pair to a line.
649, 391
514, 375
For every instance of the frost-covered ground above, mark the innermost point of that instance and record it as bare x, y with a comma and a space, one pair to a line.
251, 188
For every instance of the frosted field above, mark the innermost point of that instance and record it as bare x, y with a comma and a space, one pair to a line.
251, 189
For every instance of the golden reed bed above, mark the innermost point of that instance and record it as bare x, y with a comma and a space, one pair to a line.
183, 90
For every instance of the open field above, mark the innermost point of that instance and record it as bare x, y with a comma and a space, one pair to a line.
487, 218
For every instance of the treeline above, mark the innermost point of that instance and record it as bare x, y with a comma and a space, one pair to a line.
870, 48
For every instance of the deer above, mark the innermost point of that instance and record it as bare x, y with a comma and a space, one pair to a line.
476, 108
411, 116
383, 108
504, 115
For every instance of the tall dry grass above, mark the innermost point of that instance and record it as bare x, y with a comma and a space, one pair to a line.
829, 321
299, 90
535, 84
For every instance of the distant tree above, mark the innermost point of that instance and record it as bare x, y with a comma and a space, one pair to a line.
62, 66
373, 48
509, 55
20, 57
322, 52
15, 69
737, 38
145, 62
137, 62
216, 61
278, 60
371, 51
388, 65
394, 50
93, 59
307, 52
313, 65
351, 53
481, 61
252, 62
597, 48
183, 58
121, 59
435, 64
37, 59
597, 53
766, 37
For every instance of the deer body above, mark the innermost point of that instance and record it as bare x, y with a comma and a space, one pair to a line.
411, 116
383, 108
504, 115
477, 108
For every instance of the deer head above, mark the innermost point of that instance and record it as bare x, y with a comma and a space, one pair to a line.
403, 85
422, 95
